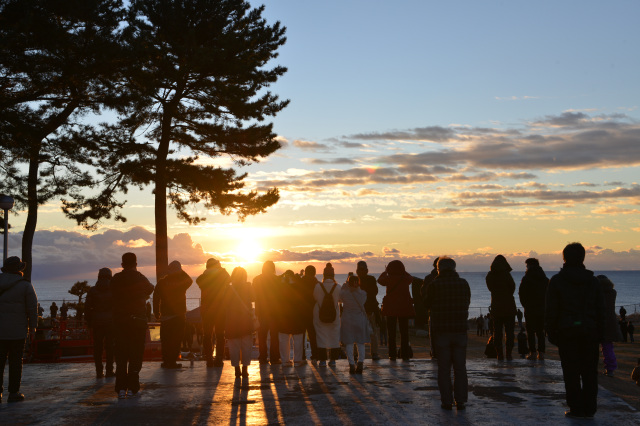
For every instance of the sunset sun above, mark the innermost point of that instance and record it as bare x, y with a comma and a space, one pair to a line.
248, 250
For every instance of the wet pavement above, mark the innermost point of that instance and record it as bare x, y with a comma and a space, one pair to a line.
517, 392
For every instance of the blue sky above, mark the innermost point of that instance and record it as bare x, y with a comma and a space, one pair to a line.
421, 128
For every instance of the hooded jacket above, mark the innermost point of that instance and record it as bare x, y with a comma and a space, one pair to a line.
397, 301
612, 331
574, 306
533, 291
130, 290
169, 297
99, 304
213, 282
18, 307
501, 285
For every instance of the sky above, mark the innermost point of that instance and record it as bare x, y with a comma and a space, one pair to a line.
418, 129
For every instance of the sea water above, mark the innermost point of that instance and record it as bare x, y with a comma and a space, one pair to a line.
627, 284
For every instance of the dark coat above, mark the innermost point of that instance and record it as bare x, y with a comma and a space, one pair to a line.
99, 304
213, 283
397, 301
239, 321
533, 291
575, 306
308, 284
501, 285
264, 290
130, 290
611, 329
292, 307
370, 286
169, 297
18, 307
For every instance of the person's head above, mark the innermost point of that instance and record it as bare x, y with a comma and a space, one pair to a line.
239, 276
361, 268
174, 267
395, 267
435, 262
13, 265
310, 271
129, 260
605, 281
446, 264
500, 264
269, 268
353, 281
574, 254
104, 274
532, 263
328, 272
213, 263
288, 276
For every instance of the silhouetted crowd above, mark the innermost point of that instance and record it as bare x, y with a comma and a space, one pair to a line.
574, 310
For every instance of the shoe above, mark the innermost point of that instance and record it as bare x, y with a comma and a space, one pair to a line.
322, 364
238, 372
573, 415
392, 358
352, 369
460, 406
210, 363
540, 356
446, 406
608, 373
217, 362
122, 394
359, 368
99, 375
531, 356
263, 361
277, 362
509, 357
332, 363
375, 357
15, 397
110, 373
245, 371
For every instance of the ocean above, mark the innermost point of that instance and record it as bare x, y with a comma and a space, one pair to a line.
627, 284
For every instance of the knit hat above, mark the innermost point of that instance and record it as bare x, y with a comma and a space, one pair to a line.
328, 271
13, 264
174, 267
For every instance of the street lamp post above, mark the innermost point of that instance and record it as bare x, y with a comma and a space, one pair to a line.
6, 204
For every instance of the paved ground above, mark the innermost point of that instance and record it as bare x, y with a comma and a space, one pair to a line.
519, 392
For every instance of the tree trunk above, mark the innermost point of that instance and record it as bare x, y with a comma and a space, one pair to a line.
32, 210
162, 240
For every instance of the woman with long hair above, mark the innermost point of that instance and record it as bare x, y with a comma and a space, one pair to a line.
397, 306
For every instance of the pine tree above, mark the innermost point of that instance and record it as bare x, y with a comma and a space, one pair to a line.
58, 62
199, 78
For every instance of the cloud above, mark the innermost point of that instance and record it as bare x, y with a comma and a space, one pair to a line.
341, 160
516, 98
309, 145
67, 254
427, 134
390, 251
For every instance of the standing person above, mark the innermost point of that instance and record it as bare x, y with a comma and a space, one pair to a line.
623, 329
291, 317
384, 341
611, 331
423, 292
630, 330
623, 313
354, 324
64, 310
574, 320
397, 306
370, 286
130, 291
53, 309
532, 293
170, 308
18, 319
264, 290
309, 282
327, 332
485, 325
213, 282
503, 305
479, 322
448, 299
99, 308
40, 311
239, 320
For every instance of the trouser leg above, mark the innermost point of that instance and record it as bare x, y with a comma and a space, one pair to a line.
285, 349
207, 337
443, 346
349, 349
459, 359
274, 348
220, 341
109, 343
4, 352
589, 374
234, 351
246, 343
498, 325
298, 347
508, 327
122, 356
13, 349
391, 331
137, 342
374, 335
610, 362
403, 323
570, 361
99, 336
311, 331
263, 332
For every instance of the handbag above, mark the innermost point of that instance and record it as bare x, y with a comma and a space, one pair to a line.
255, 322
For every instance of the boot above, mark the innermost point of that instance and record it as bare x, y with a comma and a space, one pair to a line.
238, 373
245, 371
352, 369
359, 368
99, 373
392, 353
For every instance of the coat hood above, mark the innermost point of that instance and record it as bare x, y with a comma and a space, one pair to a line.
102, 284
536, 273
7, 280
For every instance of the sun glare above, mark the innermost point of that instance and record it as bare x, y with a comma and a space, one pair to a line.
248, 250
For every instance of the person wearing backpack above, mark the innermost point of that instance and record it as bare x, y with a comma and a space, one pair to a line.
326, 316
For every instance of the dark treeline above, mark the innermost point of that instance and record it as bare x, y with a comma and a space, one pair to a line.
179, 81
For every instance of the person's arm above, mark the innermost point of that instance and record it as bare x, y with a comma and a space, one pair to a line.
384, 279
552, 311
156, 300
185, 281
31, 304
